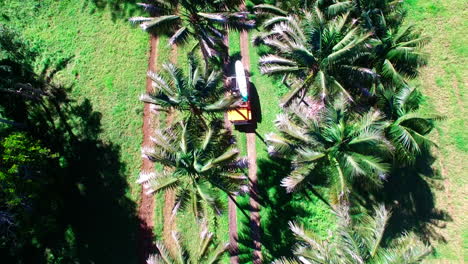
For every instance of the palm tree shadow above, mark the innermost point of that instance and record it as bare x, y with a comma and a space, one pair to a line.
408, 191
120, 9
276, 211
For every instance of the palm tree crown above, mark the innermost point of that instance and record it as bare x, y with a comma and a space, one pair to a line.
198, 164
201, 249
405, 127
322, 55
344, 144
398, 56
198, 93
201, 20
356, 242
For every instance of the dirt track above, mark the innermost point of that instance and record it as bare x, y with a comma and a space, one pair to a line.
146, 208
252, 157
169, 195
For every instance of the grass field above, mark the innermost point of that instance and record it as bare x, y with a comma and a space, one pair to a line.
444, 82
108, 62
108, 65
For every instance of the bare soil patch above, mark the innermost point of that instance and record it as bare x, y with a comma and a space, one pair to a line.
146, 207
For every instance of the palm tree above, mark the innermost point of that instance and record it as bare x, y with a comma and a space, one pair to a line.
340, 144
357, 242
405, 127
322, 55
398, 55
371, 12
199, 94
201, 249
204, 21
198, 164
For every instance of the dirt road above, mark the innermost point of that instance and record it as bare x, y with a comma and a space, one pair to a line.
252, 157
146, 207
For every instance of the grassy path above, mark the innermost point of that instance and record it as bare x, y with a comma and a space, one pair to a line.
252, 157
444, 82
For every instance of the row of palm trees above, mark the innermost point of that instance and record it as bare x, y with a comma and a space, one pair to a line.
350, 115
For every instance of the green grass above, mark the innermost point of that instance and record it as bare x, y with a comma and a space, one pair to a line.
444, 83
107, 67
109, 61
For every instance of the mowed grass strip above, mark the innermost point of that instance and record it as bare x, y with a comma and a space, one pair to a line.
444, 82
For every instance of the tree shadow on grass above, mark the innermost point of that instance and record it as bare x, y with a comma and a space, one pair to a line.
409, 191
80, 212
83, 215
276, 212
120, 9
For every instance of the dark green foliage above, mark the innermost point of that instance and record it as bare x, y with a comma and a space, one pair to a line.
23, 160
406, 128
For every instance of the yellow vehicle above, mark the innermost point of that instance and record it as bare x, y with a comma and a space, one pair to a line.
243, 113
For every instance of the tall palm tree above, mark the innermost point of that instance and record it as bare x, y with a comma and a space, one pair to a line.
204, 21
340, 144
201, 249
405, 127
199, 93
398, 54
357, 242
199, 165
321, 55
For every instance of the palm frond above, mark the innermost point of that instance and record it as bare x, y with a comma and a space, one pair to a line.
271, 69
275, 59
269, 9
285, 261
389, 71
306, 237
164, 253
217, 253
162, 183
274, 21
297, 177
159, 21
374, 228
227, 102
180, 36
339, 8
278, 144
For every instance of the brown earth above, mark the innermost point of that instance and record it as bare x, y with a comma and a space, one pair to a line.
146, 207
169, 195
